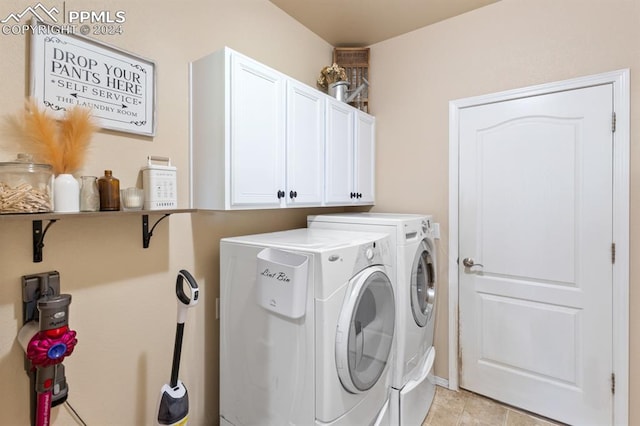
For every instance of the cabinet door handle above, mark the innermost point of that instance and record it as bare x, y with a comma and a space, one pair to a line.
293, 194
352, 195
280, 194
359, 194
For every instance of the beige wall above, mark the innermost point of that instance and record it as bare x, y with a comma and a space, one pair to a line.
123, 307
510, 44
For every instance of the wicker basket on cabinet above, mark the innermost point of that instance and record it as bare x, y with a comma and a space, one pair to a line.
355, 61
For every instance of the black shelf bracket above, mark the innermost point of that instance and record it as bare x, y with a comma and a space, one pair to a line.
146, 233
38, 238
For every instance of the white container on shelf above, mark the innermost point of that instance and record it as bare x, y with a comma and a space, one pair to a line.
160, 184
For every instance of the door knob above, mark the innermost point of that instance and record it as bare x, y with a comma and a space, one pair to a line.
469, 263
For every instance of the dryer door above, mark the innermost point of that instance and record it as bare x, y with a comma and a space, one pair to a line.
367, 321
423, 284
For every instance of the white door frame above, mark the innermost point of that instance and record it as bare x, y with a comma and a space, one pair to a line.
620, 81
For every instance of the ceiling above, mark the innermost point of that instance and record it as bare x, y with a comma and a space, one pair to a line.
359, 23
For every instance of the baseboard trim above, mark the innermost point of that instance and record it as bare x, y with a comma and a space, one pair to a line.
442, 382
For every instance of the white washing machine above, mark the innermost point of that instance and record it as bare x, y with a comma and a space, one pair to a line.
306, 328
412, 241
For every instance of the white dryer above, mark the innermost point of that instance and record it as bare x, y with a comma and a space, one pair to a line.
306, 328
413, 381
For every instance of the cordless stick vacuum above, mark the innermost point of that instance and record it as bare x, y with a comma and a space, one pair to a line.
174, 401
47, 342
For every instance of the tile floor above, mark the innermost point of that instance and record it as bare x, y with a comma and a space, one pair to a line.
465, 408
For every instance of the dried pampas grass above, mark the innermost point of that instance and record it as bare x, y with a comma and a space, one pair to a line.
75, 134
62, 144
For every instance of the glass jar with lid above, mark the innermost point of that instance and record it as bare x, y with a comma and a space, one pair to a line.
25, 187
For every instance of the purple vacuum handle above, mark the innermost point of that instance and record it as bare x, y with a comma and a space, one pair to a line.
43, 410
44, 394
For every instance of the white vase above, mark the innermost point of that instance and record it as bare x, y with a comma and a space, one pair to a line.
66, 194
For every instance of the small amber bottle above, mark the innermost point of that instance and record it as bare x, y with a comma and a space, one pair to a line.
109, 188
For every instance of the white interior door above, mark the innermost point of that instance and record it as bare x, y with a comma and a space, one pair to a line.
535, 216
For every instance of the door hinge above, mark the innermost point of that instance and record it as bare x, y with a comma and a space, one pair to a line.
613, 383
613, 122
613, 253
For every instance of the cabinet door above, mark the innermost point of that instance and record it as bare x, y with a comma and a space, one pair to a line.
305, 145
365, 158
339, 153
256, 134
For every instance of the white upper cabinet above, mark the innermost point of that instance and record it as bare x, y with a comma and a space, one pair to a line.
349, 155
260, 139
339, 153
237, 147
305, 145
365, 159
257, 132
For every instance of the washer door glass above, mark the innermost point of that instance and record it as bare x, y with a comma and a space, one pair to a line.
367, 319
423, 284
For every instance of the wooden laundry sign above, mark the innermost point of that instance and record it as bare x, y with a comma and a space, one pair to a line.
69, 69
